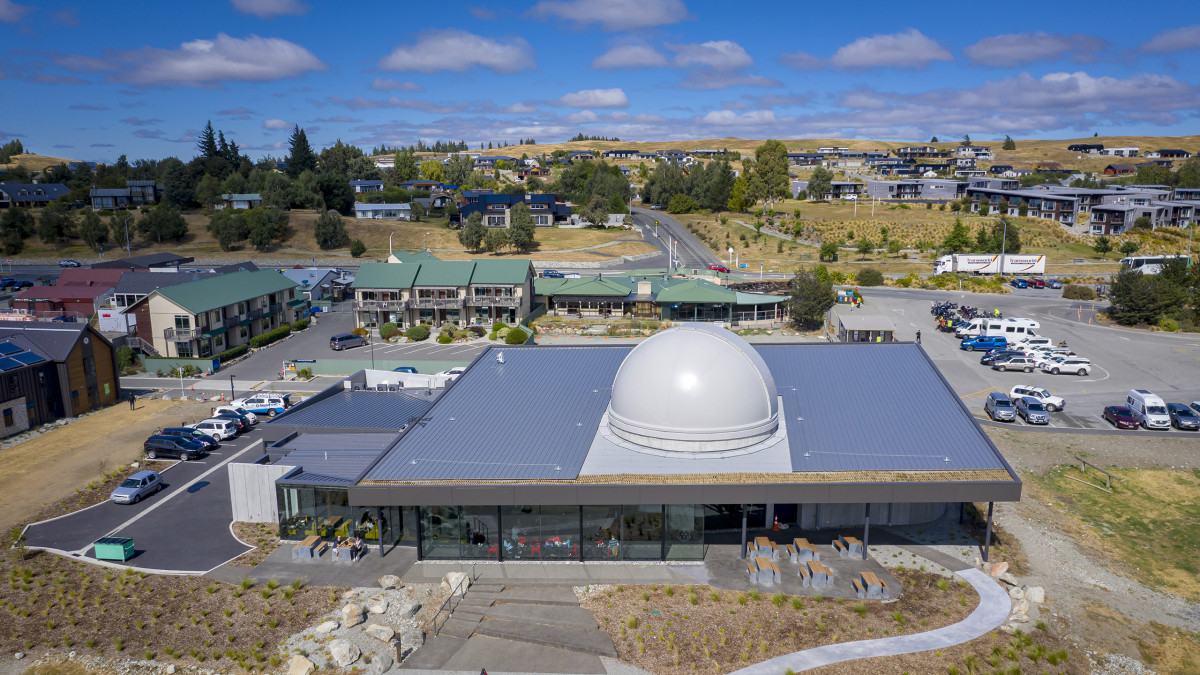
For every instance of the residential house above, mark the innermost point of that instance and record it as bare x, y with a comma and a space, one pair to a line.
473, 196
1112, 219
925, 189
384, 162
647, 155
75, 166
1163, 163
964, 162
1086, 198
148, 261
620, 154
436, 292
76, 296
49, 371
426, 185
208, 316
489, 162
973, 152
832, 150
837, 189
132, 287
531, 172
239, 201
1038, 203
143, 192
436, 201
1173, 153
407, 256
935, 168
1119, 152
804, 158
317, 283
1119, 170
999, 168
969, 173
362, 186
994, 183
29, 195
382, 211
1017, 173
582, 155
1186, 194
920, 152
548, 210
1086, 148
109, 199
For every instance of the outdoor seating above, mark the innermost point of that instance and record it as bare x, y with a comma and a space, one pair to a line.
805, 575
752, 569
305, 548
869, 585
847, 545
767, 570
821, 575
804, 550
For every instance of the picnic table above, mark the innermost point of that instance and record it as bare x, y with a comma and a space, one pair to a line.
343, 553
767, 570
847, 545
764, 546
803, 551
305, 548
821, 575
869, 585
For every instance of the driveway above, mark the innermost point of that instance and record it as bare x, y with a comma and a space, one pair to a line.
182, 529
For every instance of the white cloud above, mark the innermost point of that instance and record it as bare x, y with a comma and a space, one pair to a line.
801, 61
596, 98
629, 56
717, 54
11, 12
225, 58
614, 15
275, 123
1015, 49
437, 50
1174, 40
707, 80
910, 49
482, 13
729, 117
139, 122
389, 84
582, 117
265, 9
518, 109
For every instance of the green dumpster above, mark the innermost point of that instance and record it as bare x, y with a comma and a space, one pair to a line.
114, 548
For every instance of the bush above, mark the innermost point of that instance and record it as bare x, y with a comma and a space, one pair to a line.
271, 336
360, 332
515, 336
444, 339
870, 277
498, 325
232, 353
1169, 325
299, 324
126, 358
477, 331
681, 203
388, 330
357, 248
1077, 292
417, 333
461, 335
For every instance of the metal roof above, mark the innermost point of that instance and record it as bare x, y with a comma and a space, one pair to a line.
445, 273
226, 289
163, 259
501, 271
334, 458
55, 340
29, 192
358, 410
696, 290
386, 275
863, 320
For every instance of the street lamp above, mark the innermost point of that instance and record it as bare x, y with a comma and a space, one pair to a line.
371, 348
128, 251
390, 244
232, 395
730, 256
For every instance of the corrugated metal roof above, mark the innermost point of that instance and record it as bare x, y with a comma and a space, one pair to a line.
358, 410
414, 256
502, 271
89, 277
226, 289
759, 298
696, 290
54, 340
445, 273
595, 287
142, 283
148, 260
386, 275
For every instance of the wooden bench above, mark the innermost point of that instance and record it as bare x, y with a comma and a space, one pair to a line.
805, 575
847, 545
804, 550
859, 589
791, 552
320, 548
768, 568
774, 551
305, 548
752, 569
821, 575
839, 547
873, 586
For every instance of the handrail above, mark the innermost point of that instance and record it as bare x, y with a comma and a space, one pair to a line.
453, 593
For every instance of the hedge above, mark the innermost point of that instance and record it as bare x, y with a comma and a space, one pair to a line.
232, 353
360, 332
299, 325
870, 277
516, 336
417, 333
1077, 292
271, 336
445, 339
388, 330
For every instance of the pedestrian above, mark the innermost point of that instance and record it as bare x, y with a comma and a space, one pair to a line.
918, 337
132, 400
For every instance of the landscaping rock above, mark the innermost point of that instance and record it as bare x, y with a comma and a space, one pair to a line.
1036, 594
171, 669
380, 663
1022, 607
352, 615
390, 581
344, 652
1016, 593
409, 609
996, 569
1020, 618
377, 606
300, 666
1008, 628
380, 632
327, 627
410, 640
452, 580
1009, 579
350, 595
19, 655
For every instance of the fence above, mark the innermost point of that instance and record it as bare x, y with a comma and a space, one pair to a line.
165, 364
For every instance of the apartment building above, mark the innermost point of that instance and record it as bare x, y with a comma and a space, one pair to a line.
436, 292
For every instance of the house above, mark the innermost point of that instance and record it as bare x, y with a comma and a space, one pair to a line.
920, 152
361, 186
426, 185
832, 150
1173, 153
401, 257
29, 195
143, 191
936, 168
49, 371
804, 158
1086, 148
995, 183
620, 154
109, 199
1119, 152
837, 189
1110, 219
925, 189
547, 209
1118, 170
1186, 194
969, 173
1157, 163
239, 201
75, 166
647, 155
208, 316
998, 169
135, 285
1037, 203
147, 261
1017, 173
382, 211
317, 283
437, 201
443, 291
973, 152
489, 162
531, 172
76, 296
964, 162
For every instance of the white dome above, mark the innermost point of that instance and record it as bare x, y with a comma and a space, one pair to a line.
695, 388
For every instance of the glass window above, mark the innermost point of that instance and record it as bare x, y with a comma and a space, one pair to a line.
641, 532
182, 322
183, 350
8, 417
540, 532
440, 532
601, 532
481, 532
685, 532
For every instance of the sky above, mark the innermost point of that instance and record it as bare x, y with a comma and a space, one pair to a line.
94, 80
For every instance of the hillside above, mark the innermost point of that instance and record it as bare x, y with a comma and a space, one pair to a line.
36, 162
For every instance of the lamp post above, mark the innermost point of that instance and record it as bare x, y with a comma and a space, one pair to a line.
730, 256
128, 251
232, 395
371, 348
424, 240
390, 244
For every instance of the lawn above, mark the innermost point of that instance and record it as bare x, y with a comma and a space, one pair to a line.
1149, 527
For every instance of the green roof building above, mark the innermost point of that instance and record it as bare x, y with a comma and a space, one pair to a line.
438, 292
651, 294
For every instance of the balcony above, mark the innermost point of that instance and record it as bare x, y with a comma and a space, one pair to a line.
437, 303
381, 305
494, 301
181, 333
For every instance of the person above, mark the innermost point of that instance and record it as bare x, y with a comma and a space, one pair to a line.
918, 337
996, 312
356, 549
132, 400
879, 338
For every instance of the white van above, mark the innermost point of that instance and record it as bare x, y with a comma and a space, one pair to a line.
217, 428
1012, 329
1149, 409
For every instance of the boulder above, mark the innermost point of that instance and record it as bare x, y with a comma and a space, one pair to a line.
380, 663
380, 632
409, 609
1020, 618
456, 580
171, 669
1036, 594
411, 639
300, 666
1009, 579
350, 595
377, 606
352, 615
327, 627
390, 581
19, 655
1016, 593
1008, 628
344, 652
995, 570
1022, 607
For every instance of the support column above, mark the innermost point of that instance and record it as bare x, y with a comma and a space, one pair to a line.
770, 516
379, 527
866, 530
743, 531
962, 511
987, 537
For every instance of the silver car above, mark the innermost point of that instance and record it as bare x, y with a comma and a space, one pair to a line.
999, 407
1032, 410
141, 484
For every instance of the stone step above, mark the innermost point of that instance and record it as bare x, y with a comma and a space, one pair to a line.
589, 641
481, 597
435, 652
468, 614
458, 628
554, 615
473, 604
539, 595
486, 587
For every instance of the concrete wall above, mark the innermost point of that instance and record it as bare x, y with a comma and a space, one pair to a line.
819, 516
252, 491
154, 364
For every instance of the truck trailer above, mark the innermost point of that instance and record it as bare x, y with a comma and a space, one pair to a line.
990, 263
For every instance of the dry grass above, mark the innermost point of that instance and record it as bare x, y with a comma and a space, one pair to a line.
35, 162
264, 537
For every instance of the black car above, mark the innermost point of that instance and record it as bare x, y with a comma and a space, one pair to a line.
18, 285
188, 432
173, 446
5, 282
242, 422
998, 355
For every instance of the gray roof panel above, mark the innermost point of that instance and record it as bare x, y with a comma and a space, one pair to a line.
55, 340
357, 410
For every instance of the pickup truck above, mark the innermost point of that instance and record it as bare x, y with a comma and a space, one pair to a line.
983, 343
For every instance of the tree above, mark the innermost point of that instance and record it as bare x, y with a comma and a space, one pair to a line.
933, 139
472, 234
208, 191
966, 140
53, 224
264, 226
338, 159
596, 212
495, 239
1102, 246
1143, 223
1006, 237
809, 298
177, 187
894, 247
277, 191
1128, 248
771, 168
717, 187
163, 222
870, 277
357, 248
681, 204
820, 183
1143, 298
458, 168
738, 201
405, 167
336, 192
416, 211
92, 230
865, 247
1009, 143
15, 225
300, 156
329, 231
959, 238
431, 169
207, 143
228, 228
829, 251
521, 228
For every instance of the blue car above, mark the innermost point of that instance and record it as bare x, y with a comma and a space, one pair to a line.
553, 274
983, 343
1019, 283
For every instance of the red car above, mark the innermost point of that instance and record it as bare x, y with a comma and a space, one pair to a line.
1037, 283
1120, 417
719, 268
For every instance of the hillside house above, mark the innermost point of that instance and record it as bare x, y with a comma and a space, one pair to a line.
364, 186
30, 195
239, 201
382, 211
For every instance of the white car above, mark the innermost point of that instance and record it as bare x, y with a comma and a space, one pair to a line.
1051, 402
235, 409
219, 429
1067, 364
454, 372
1034, 342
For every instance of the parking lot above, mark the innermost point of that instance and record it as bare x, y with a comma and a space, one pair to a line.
184, 528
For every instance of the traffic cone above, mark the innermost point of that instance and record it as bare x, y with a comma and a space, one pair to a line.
776, 526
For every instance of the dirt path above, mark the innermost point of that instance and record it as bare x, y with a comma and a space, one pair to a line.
45, 469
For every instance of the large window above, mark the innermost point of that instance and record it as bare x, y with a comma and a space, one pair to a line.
182, 322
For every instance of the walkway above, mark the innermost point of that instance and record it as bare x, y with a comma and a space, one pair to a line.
994, 605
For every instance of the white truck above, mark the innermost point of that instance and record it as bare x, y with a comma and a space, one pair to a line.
1012, 329
990, 263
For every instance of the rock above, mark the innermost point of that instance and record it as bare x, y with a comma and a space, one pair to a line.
380, 663
327, 627
300, 666
411, 639
1022, 607
133, 465
71, 655
1016, 593
995, 571
19, 655
456, 580
1020, 618
350, 595
352, 615
377, 606
409, 609
390, 581
344, 652
171, 669
1036, 594
380, 632
1009, 579
1008, 628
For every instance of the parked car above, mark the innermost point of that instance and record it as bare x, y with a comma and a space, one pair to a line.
1053, 283
1120, 417
719, 268
999, 355
69, 263
454, 372
219, 429
1037, 283
1050, 401
242, 422
137, 487
553, 274
404, 369
1195, 405
656, 207
236, 410
5, 282
983, 343
1033, 342
1067, 364
19, 285
1183, 417
999, 407
1150, 409
1024, 363
188, 432
264, 404
173, 446
1019, 283
1032, 411
345, 341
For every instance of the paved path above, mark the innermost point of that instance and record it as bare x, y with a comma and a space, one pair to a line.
993, 609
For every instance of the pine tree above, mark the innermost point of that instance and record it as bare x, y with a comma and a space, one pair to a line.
301, 158
1009, 143
207, 144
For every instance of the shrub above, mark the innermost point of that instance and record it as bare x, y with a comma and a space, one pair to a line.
126, 358
232, 353
1169, 325
870, 277
461, 334
477, 331
444, 339
515, 337
1078, 292
360, 332
388, 330
299, 325
357, 248
271, 336
417, 333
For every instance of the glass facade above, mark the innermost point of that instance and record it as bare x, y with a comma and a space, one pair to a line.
306, 510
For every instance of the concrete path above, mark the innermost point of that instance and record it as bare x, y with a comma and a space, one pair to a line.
994, 605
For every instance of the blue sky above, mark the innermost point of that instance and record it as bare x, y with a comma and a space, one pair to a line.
94, 80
